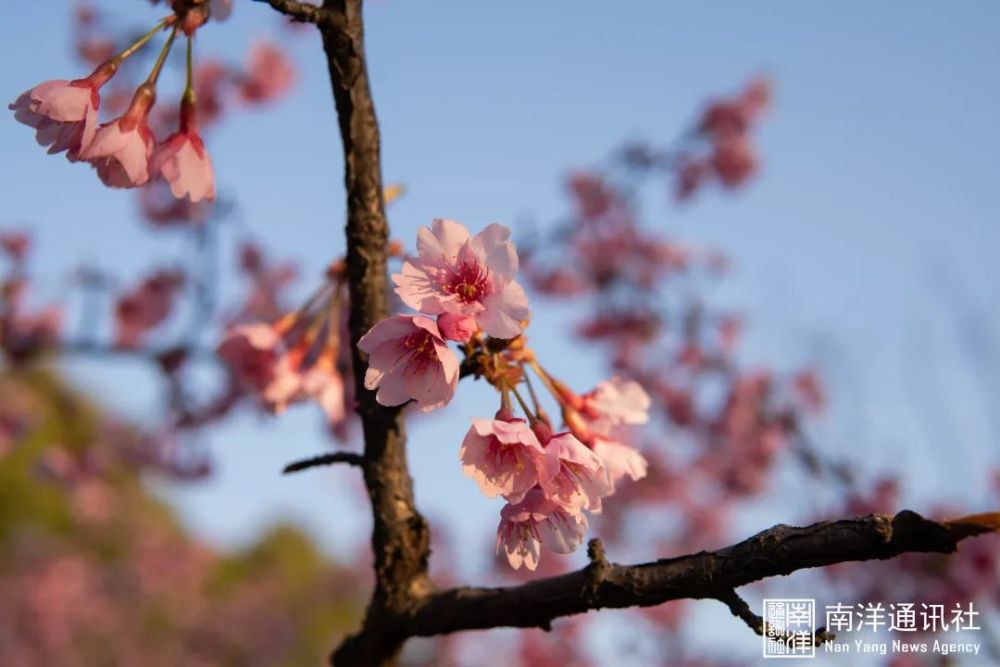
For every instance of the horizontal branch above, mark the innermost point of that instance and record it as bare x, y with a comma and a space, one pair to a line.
324, 460
780, 550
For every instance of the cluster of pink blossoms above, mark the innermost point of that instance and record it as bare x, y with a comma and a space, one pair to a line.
549, 479
124, 151
296, 358
468, 283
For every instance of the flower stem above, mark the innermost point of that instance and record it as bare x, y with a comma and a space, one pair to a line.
189, 84
118, 59
524, 406
162, 58
531, 390
546, 380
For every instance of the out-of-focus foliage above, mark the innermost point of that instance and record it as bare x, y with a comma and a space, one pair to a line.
83, 582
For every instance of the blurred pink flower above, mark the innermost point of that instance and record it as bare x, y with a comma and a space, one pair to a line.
734, 161
251, 351
615, 402
269, 74
620, 459
326, 387
221, 9
140, 310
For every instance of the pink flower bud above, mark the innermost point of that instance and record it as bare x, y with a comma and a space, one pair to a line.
457, 327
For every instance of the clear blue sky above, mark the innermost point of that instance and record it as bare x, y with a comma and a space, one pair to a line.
876, 207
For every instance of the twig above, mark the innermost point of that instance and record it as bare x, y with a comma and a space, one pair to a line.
740, 609
349, 458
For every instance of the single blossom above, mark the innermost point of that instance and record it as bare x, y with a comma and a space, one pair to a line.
409, 360
535, 521
182, 160
121, 149
463, 275
326, 387
146, 306
221, 9
734, 161
576, 477
503, 456
457, 327
269, 74
620, 459
252, 352
614, 403
63, 113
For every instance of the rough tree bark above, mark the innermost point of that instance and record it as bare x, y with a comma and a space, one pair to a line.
400, 535
404, 603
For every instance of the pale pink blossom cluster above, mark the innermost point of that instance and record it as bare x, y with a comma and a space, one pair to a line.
464, 289
123, 151
467, 282
550, 480
282, 368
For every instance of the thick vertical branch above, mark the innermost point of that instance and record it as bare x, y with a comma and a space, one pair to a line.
400, 536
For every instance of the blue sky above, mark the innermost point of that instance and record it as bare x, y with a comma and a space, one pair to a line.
869, 238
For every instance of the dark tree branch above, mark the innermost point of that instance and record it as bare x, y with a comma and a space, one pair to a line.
400, 535
303, 12
777, 551
324, 460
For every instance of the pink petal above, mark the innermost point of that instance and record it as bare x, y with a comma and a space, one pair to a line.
504, 312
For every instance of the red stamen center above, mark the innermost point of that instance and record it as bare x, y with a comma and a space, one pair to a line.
469, 282
419, 345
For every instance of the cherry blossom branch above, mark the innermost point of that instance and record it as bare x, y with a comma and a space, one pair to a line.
777, 551
349, 458
404, 603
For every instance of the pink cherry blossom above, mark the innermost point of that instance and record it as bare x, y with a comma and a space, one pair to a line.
616, 402
183, 162
503, 456
221, 9
326, 387
466, 276
121, 149
409, 360
254, 353
63, 113
620, 459
251, 351
146, 306
527, 525
269, 74
457, 327
576, 477
734, 161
